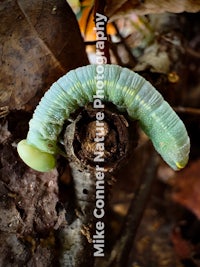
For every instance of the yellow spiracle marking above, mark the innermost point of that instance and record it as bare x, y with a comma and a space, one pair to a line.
173, 77
179, 165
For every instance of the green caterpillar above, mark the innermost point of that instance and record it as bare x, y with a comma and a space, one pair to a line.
124, 88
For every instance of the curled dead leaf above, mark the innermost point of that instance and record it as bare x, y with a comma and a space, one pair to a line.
186, 188
115, 8
37, 46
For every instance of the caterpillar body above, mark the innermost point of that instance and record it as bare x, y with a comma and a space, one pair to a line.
124, 88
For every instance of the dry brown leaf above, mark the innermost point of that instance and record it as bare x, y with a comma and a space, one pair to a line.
187, 188
39, 42
115, 8
182, 247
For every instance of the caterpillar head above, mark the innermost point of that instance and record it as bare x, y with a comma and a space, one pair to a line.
174, 155
176, 163
35, 158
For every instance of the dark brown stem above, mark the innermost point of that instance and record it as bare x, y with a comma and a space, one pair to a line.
99, 7
187, 110
192, 52
114, 48
132, 59
120, 255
